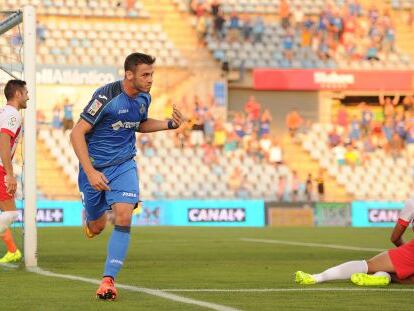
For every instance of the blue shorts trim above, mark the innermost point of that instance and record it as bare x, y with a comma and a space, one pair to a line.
124, 184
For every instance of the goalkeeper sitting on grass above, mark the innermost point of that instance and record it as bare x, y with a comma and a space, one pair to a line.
396, 264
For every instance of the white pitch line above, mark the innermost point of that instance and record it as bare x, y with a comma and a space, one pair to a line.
153, 292
335, 246
9, 265
310, 289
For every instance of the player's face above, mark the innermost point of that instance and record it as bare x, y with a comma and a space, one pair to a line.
142, 79
24, 97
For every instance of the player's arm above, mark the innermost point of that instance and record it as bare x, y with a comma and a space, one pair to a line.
77, 137
5, 155
397, 233
153, 125
404, 219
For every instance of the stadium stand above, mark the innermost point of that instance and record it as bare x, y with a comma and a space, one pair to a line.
380, 178
91, 8
160, 168
341, 35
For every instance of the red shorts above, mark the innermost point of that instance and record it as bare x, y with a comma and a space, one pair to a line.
4, 196
403, 259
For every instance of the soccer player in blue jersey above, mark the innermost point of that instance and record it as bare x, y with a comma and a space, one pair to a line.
104, 142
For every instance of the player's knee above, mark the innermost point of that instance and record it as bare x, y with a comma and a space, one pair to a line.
124, 221
97, 228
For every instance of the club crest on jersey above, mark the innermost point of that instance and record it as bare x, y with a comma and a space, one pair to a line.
95, 107
142, 109
12, 122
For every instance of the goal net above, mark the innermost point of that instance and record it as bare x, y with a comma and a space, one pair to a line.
17, 61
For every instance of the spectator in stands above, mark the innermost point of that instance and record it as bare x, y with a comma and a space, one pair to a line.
288, 42
201, 28
339, 152
395, 146
388, 105
236, 180
295, 186
388, 128
284, 13
293, 122
309, 188
215, 7
67, 115
252, 108
275, 153
355, 130
320, 185
372, 52
247, 28
16, 38
342, 117
56, 117
265, 121
258, 29
265, 145
219, 135
210, 155
219, 22
281, 188
40, 32
147, 146
209, 124
238, 124
352, 156
182, 134
234, 27
366, 118
407, 103
232, 141
298, 17
334, 138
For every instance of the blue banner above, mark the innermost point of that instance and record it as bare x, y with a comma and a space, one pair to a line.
243, 213
375, 214
218, 213
54, 213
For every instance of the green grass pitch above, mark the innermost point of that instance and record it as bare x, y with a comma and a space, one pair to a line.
199, 258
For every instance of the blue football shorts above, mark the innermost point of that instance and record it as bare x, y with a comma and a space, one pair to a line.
124, 185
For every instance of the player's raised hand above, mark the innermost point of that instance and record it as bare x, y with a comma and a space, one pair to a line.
98, 181
177, 117
11, 184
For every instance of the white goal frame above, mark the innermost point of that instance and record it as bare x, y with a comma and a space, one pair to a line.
28, 16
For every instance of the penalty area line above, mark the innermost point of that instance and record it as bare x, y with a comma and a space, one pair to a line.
8, 265
314, 245
310, 289
149, 291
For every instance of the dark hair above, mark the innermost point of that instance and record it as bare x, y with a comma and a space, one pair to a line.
12, 86
134, 59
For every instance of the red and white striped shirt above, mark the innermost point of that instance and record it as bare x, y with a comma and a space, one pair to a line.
11, 124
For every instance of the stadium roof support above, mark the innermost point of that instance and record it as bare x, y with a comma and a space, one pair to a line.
12, 20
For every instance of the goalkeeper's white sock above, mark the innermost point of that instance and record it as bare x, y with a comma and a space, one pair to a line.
342, 271
6, 218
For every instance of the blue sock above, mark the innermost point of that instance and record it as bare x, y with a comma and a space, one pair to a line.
117, 249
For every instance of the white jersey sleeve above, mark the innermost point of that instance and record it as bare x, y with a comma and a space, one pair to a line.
407, 213
10, 121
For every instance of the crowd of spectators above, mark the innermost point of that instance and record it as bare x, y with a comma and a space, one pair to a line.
346, 32
388, 126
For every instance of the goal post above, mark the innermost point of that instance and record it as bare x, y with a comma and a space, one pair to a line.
27, 16
29, 173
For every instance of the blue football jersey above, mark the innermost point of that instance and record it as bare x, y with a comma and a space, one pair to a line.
114, 117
